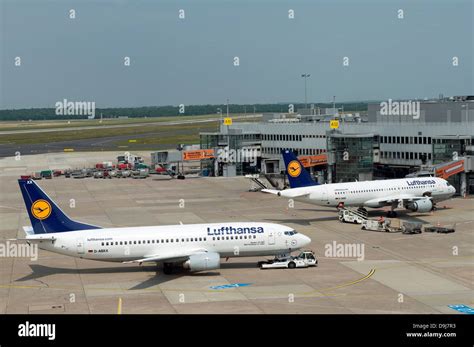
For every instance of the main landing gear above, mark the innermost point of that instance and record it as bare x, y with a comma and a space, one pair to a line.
168, 268
392, 213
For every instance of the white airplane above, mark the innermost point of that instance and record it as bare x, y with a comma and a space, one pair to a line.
414, 194
197, 247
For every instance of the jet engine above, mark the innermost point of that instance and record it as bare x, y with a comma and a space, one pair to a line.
424, 205
203, 262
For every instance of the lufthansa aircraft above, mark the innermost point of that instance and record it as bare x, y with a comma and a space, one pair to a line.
197, 247
414, 194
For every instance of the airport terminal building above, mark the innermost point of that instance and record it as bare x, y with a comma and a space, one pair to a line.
436, 140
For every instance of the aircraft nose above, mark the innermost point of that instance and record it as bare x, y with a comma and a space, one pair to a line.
305, 240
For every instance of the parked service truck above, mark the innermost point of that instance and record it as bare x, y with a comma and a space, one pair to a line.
379, 225
351, 216
303, 260
48, 174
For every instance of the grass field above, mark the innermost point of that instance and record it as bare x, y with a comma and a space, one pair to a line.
169, 135
74, 123
142, 134
157, 134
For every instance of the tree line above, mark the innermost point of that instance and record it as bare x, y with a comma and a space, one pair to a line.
166, 111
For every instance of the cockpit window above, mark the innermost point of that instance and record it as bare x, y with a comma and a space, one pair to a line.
290, 233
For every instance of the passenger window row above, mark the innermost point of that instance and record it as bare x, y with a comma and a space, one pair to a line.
385, 189
144, 242
244, 237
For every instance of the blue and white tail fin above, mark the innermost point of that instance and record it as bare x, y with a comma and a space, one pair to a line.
296, 172
45, 215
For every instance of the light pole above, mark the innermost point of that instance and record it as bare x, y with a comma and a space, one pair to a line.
305, 76
227, 108
467, 111
219, 111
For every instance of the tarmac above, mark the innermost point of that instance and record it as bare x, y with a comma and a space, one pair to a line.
399, 273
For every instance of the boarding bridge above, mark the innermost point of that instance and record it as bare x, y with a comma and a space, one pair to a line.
462, 166
447, 169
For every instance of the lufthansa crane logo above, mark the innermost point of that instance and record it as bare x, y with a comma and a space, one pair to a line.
294, 168
41, 209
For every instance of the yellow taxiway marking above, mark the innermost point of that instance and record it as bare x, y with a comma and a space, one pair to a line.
371, 272
119, 306
324, 290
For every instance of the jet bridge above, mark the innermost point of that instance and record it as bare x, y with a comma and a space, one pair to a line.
448, 169
459, 173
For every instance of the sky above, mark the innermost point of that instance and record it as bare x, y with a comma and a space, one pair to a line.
191, 61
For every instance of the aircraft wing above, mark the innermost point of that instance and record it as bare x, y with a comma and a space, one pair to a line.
388, 200
270, 191
170, 256
35, 238
31, 237
292, 194
288, 193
